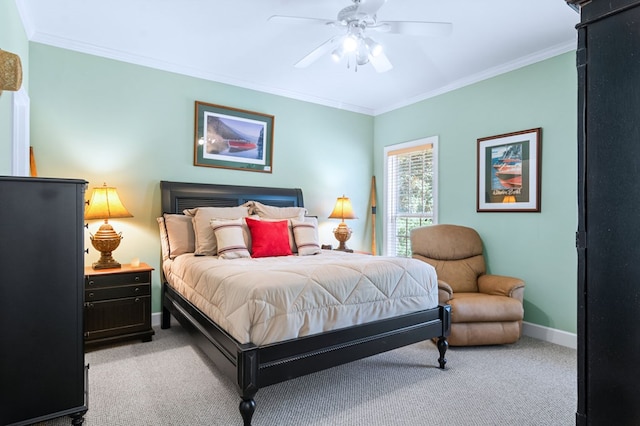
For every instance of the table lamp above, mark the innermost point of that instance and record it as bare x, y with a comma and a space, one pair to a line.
105, 204
342, 211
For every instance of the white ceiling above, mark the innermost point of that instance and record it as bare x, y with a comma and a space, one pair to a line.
230, 41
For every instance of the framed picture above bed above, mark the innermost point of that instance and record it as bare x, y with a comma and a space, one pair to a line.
232, 138
509, 172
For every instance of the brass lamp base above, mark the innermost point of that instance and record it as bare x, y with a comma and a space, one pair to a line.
106, 241
106, 262
342, 234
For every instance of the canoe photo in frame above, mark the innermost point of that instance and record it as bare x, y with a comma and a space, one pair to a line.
508, 178
232, 138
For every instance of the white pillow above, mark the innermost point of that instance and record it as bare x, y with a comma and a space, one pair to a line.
180, 234
305, 233
271, 212
205, 239
231, 238
164, 240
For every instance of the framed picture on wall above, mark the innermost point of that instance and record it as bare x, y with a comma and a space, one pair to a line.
232, 138
508, 177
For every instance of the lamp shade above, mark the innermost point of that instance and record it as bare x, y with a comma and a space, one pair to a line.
343, 209
105, 204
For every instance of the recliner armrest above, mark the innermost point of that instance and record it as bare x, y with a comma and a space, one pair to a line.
501, 285
445, 292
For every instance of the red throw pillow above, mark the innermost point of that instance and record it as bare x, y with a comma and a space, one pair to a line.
269, 238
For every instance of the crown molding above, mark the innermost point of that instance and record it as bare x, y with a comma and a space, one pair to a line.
119, 55
27, 24
122, 56
485, 75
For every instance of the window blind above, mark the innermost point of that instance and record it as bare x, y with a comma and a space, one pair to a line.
410, 195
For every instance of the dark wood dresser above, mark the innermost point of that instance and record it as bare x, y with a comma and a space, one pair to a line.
42, 367
117, 304
608, 67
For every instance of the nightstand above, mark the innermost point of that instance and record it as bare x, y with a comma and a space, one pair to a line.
117, 304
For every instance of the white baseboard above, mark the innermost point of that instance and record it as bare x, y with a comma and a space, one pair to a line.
550, 335
156, 319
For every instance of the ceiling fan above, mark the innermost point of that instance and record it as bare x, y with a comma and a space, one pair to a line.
355, 44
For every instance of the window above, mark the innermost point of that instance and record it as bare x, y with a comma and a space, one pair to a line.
410, 192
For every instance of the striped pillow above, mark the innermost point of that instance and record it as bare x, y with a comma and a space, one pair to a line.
231, 237
305, 233
205, 241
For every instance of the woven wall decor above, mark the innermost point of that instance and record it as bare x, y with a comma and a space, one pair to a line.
10, 71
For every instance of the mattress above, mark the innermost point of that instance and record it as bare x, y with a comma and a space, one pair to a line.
272, 299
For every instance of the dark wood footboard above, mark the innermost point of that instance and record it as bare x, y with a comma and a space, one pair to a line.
252, 367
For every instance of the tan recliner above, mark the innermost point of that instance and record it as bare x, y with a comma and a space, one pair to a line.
485, 309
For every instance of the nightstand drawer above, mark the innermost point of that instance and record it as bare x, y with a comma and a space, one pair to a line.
112, 318
110, 280
117, 292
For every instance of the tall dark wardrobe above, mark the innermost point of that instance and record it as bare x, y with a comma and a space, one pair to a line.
608, 237
42, 368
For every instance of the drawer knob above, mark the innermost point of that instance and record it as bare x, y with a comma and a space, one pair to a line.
91, 282
137, 278
91, 294
137, 299
137, 289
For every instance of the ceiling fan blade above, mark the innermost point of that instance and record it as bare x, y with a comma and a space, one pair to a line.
415, 28
283, 19
380, 62
319, 51
370, 7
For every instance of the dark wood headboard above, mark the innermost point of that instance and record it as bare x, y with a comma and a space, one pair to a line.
177, 196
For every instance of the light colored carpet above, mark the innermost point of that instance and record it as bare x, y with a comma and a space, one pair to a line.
169, 382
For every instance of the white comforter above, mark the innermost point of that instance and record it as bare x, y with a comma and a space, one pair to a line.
267, 300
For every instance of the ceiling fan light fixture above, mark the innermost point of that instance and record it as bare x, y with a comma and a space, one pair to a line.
337, 54
362, 54
350, 43
375, 48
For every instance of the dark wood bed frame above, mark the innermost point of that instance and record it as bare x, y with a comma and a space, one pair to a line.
252, 367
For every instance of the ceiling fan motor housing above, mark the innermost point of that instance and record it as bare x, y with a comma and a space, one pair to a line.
350, 14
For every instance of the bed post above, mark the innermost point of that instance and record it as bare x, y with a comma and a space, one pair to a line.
165, 321
247, 367
442, 348
247, 407
443, 345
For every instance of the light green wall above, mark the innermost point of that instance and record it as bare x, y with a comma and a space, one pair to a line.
132, 126
12, 39
537, 247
